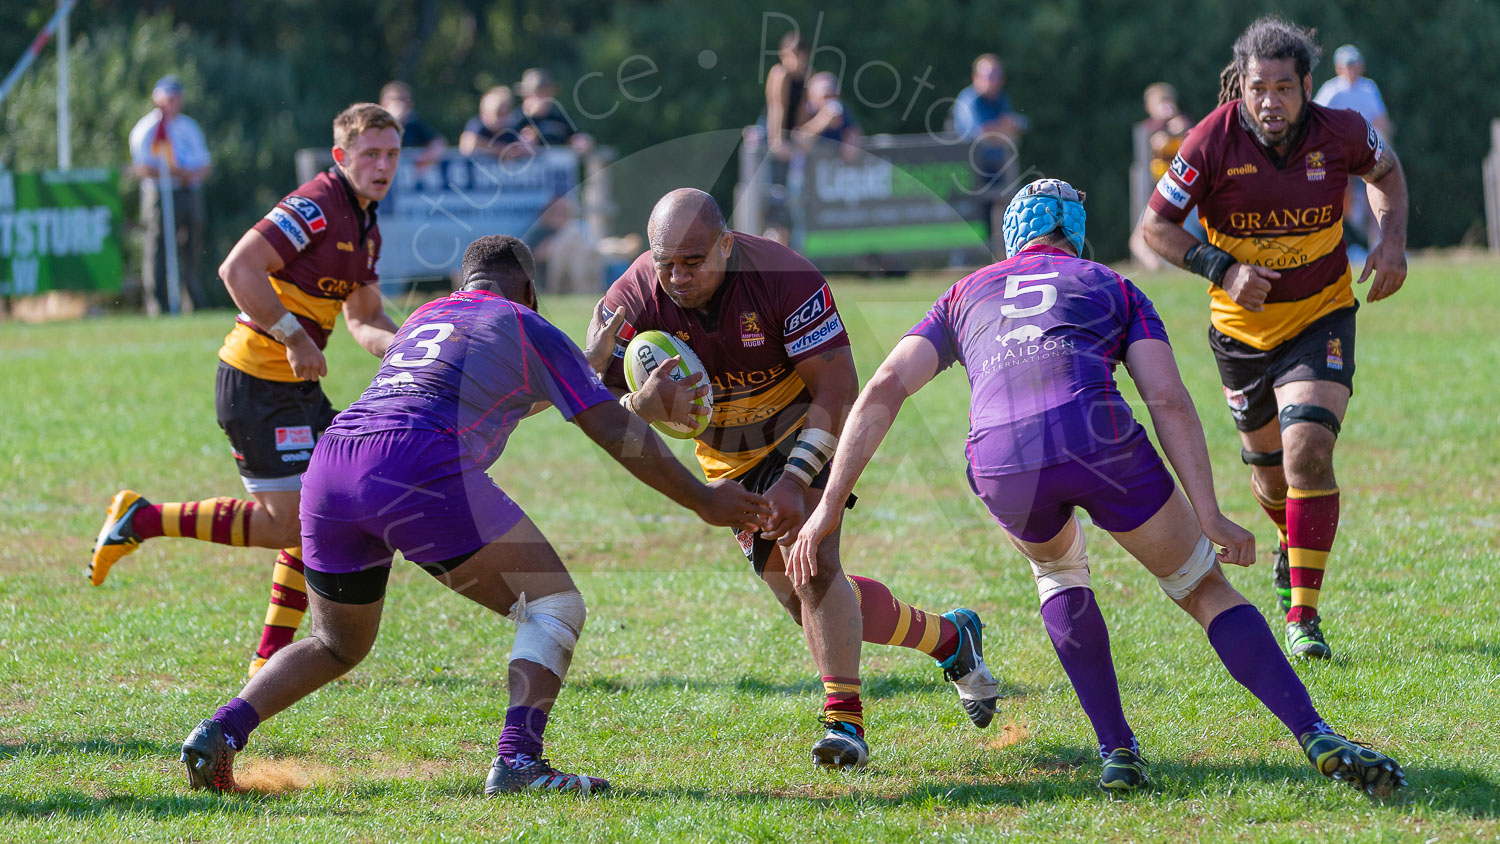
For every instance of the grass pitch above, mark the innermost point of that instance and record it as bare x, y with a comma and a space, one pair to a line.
691, 690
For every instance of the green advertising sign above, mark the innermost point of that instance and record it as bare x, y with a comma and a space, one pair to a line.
59, 230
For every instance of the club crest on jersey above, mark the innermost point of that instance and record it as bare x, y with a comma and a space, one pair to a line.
820, 303
294, 439
1185, 172
1315, 165
1336, 354
751, 334
308, 210
1237, 400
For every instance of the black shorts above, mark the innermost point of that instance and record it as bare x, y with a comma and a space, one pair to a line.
271, 425
761, 477
1324, 351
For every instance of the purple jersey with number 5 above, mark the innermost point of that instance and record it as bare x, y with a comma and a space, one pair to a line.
1040, 335
472, 365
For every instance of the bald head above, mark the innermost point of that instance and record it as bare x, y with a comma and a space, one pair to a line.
682, 216
689, 246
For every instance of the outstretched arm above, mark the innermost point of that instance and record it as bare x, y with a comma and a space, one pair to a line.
906, 370
1154, 370
629, 440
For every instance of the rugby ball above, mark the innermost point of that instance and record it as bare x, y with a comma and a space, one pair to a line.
650, 349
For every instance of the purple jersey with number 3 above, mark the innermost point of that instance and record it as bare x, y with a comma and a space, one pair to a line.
1040, 335
472, 365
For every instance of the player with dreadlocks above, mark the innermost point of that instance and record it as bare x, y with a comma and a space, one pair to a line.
1267, 171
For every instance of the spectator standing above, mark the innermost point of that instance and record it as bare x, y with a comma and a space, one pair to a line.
1165, 126
167, 135
983, 114
786, 93
396, 98
1351, 89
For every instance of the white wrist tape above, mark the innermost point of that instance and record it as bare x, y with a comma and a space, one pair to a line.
547, 629
285, 327
815, 447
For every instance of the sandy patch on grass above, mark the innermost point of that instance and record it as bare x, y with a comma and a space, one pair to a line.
1009, 734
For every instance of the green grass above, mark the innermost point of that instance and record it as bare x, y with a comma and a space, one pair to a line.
691, 689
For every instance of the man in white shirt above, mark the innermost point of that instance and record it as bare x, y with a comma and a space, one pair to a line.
168, 135
1353, 90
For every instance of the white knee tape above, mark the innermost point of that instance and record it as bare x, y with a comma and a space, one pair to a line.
547, 629
1067, 572
1182, 582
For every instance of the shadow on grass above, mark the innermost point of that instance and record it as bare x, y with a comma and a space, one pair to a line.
1060, 773
75, 804
877, 687
134, 748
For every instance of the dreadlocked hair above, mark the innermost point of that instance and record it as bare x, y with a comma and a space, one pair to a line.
1269, 37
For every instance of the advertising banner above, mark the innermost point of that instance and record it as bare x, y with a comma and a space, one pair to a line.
60, 230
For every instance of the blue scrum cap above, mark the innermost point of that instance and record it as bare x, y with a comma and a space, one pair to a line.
1040, 208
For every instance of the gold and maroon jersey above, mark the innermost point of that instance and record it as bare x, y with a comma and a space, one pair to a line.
773, 311
1282, 213
329, 248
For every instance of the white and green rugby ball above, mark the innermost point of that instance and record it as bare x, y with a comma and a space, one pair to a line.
650, 349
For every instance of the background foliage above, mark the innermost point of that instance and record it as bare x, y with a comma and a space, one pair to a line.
264, 79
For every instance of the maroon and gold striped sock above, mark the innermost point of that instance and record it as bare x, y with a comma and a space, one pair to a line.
1312, 520
841, 702
1274, 508
889, 621
225, 521
288, 603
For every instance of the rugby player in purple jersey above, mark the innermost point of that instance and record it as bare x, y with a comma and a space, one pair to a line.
404, 469
1040, 335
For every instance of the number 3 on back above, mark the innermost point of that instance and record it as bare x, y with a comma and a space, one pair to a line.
429, 347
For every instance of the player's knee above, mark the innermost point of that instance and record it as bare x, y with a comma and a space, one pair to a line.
347, 649
1181, 584
547, 629
1069, 571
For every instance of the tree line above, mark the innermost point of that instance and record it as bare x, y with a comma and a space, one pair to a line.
264, 79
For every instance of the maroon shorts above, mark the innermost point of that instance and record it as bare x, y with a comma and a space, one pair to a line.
366, 497
1120, 488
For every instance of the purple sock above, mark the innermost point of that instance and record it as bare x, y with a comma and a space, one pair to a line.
523, 732
238, 718
1247, 648
1082, 644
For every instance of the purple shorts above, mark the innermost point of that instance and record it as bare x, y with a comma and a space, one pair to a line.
1120, 488
368, 496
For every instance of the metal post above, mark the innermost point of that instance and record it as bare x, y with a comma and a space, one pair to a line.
64, 122
164, 195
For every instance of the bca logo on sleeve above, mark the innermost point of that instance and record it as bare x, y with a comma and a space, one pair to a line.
308, 211
1185, 172
814, 307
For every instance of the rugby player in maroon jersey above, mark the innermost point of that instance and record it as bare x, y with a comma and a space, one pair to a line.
764, 323
1267, 171
313, 256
